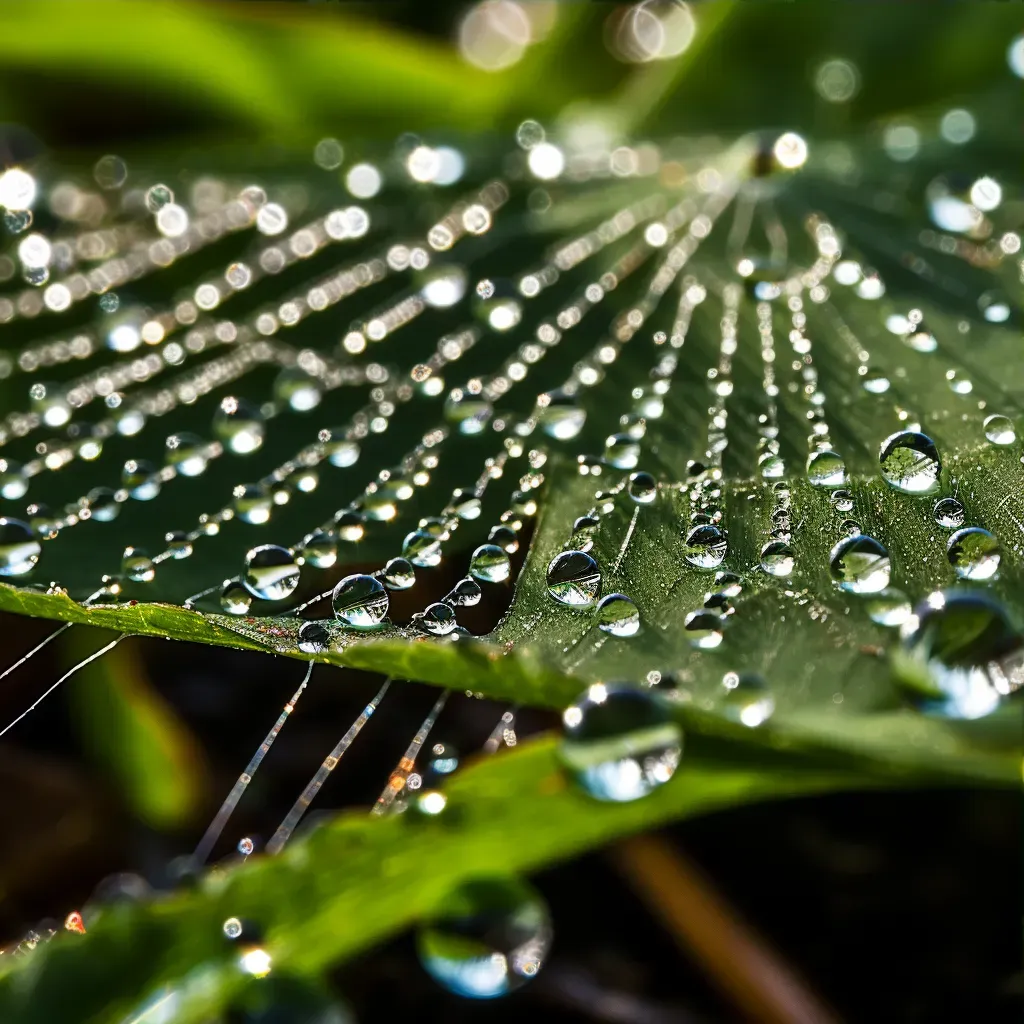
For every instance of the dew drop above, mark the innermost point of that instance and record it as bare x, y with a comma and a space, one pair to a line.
339, 450
719, 603
141, 479
486, 939
187, 453
574, 579
889, 607
622, 451
351, 526
314, 637
974, 553
850, 527
561, 417
239, 424
443, 286
620, 743
438, 619
360, 601
959, 655
490, 564
422, 548
320, 550
994, 307
705, 546
1000, 430
468, 412
235, 599
703, 629
949, 513
297, 389
842, 501
771, 466
19, 547
825, 468
271, 572
777, 558
398, 574
642, 488
13, 482
875, 382
860, 565
505, 537
137, 565
729, 583
618, 615
746, 699
465, 594
178, 544
252, 503
103, 504
910, 462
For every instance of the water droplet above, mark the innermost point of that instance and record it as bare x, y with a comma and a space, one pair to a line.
949, 513
729, 583
889, 607
50, 404
320, 550
442, 286
437, 619
13, 482
574, 579
157, 197
825, 468
443, 760
910, 462
465, 504
351, 526
642, 488
719, 603
178, 544
703, 629
747, 699
622, 451
339, 450
239, 424
618, 615
252, 503
488, 938
974, 553
235, 599
705, 547
850, 527
490, 564
875, 382
360, 601
777, 558
141, 479
399, 574
297, 389
271, 572
468, 412
994, 307
187, 454
959, 655
137, 565
314, 637
19, 548
422, 549
620, 743
103, 504
771, 466
505, 537
561, 418
465, 593
860, 565
842, 501
1000, 430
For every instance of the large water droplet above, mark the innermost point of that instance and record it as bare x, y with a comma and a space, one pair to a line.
235, 599
271, 572
747, 699
889, 607
642, 488
19, 548
703, 629
398, 574
360, 601
777, 558
860, 565
490, 564
320, 550
239, 424
488, 938
561, 418
618, 615
314, 637
141, 479
910, 462
949, 513
620, 743
974, 553
1000, 430
438, 619
422, 549
705, 546
574, 579
825, 468
468, 412
959, 655
137, 565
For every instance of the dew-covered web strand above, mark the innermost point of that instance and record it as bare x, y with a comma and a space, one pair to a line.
64, 678
398, 778
35, 650
212, 834
299, 808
